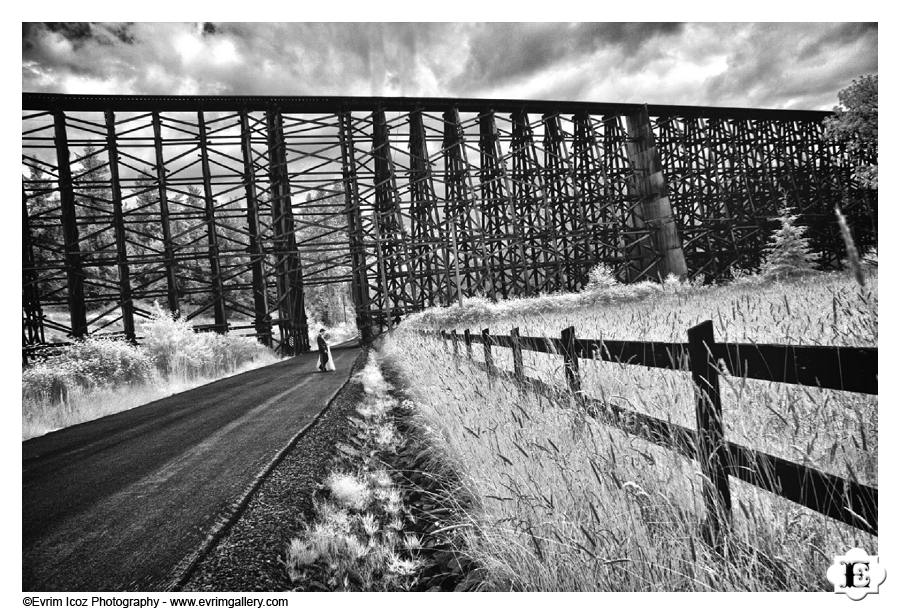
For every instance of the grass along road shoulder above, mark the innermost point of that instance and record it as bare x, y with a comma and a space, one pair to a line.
562, 502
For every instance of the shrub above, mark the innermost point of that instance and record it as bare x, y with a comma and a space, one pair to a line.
47, 379
98, 377
175, 348
91, 363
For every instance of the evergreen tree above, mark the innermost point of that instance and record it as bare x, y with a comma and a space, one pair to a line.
788, 253
600, 277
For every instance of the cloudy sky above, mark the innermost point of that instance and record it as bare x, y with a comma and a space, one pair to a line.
755, 65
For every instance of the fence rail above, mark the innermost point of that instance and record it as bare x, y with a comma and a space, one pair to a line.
851, 369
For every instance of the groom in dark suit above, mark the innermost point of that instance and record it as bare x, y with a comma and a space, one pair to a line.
323, 349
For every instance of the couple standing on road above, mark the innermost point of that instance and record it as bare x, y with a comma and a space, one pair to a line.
326, 363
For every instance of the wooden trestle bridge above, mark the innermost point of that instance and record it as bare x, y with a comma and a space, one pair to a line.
229, 209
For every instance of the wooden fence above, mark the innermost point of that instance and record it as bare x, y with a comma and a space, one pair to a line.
850, 369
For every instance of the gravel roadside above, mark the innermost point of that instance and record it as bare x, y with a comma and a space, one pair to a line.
249, 556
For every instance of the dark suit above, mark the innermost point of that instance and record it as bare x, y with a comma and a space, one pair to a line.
323, 351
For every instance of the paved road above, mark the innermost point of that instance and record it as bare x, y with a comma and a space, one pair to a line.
123, 502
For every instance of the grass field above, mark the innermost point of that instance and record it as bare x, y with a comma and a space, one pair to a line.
565, 503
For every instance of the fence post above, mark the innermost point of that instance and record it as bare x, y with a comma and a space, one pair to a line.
518, 364
455, 339
486, 342
570, 361
467, 335
443, 335
710, 430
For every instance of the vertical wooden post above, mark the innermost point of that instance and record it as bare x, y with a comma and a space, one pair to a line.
559, 196
486, 342
495, 205
467, 335
454, 235
530, 197
218, 291
74, 270
467, 218
518, 363
455, 339
591, 184
570, 361
360, 283
261, 319
32, 315
650, 184
425, 218
127, 305
492, 157
398, 265
289, 270
710, 430
168, 246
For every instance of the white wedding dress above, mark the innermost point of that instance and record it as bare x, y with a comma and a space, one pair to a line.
329, 365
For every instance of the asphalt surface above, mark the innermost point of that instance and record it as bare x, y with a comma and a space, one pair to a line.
126, 501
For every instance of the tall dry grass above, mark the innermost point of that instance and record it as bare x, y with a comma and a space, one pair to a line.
566, 503
98, 377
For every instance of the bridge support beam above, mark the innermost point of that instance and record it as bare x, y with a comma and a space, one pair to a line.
126, 304
650, 187
261, 320
529, 195
498, 214
427, 227
291, 299
569, 218
168, 244
359, 274
469, 235
492, 158
212, 236
592, 185
74, 269
400, 294
32, 316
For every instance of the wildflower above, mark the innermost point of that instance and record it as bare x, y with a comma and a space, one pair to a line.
402, 567
381, 479
349, 491
301, 554
412, 543
385, 436
369, 524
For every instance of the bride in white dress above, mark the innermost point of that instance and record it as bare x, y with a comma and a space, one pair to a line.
325, 362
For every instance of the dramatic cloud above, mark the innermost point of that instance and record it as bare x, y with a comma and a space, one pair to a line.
768, 65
